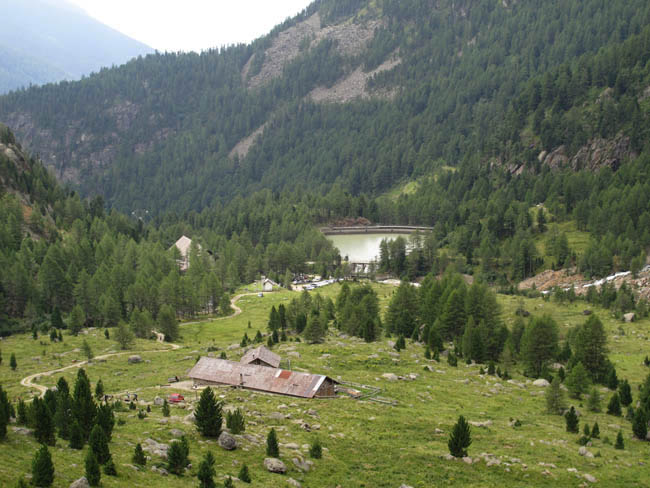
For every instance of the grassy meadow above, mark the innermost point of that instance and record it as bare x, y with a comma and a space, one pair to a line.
368, 444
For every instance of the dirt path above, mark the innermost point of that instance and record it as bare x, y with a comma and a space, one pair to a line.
28, 381
233, 304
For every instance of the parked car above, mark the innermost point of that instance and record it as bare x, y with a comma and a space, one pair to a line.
176, 398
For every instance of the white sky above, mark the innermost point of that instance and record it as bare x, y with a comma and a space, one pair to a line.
192, 25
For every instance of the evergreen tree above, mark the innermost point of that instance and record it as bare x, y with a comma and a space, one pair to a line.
12, 362
274, 320
314, 333
577, 381
244, 340
124, 335
434, 339
427, 353
22, 412
176, 458
55, 319
619, 441
572, 423
586, 430
76, 436
612, 378
42, 468
165, 408
258, 337
316, 449
625, 393
99, 390
77, 320
168, 323
595, 431
235, 422
614, 406
206, 471
109, 467
106, 420
272, 448
244, 475
139, 457
640, 424
93, 472
539, 344
401, 316
227, 483
593, 403
87, 350
83, 404
208, 417
460, 438
452, 360
555, 403
590, 347
44, 425
99, 444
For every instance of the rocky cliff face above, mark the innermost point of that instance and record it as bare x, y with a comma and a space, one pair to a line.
596, 154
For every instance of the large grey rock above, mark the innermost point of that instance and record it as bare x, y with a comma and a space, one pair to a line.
158, 401
22, 430
176, 433
389, 376
135, 359
80, 483
227, 441
276, 416
274, 465
303, 465
541, 382
584, 452
155, 448
590, 478
294, 483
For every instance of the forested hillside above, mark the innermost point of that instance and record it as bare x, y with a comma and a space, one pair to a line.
159, 133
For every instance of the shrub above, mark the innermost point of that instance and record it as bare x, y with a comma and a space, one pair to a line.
316, 450
272, 448
571, 420
460, 438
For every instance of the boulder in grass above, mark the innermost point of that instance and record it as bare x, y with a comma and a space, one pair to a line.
541, 382
135, 359
80, 483
274, 465
227, 442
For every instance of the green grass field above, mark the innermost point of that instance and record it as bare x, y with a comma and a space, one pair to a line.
368, 444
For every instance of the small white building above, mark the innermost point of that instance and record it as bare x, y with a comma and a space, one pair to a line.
267, 284
184, 244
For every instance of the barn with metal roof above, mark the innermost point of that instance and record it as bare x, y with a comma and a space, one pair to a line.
213, 371
261, 356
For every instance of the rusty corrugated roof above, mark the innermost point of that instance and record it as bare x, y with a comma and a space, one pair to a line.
254, 377
262, 353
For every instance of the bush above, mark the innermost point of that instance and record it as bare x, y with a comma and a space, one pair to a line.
619, 441
571, 418
235, 421
452, 360
595, 431
244, 475
139, 458
316, 450
614, 406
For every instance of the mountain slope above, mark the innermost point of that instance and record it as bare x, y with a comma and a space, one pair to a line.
44, 41
419, 85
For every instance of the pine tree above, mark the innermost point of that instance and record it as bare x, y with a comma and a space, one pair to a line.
244, 475
139, 458
109, 467
208, 417
55, 319
577, 381
227, 483
586, 430
555, 403
63, 416
165, 409
452, 360
272, 448
99, 444
206, 471
44, 425
12, 362
235, 422
460, 438
274, 319
593, 403
87, 350
83, 404
612, 379
572, 423
595, 431
93, 473
614, 406
619, 441
244, 340
625, 393
77, 439
316, 449
427, 353
176, 458
42, 468
258, 337
314, 333
168, 323
99, 389
640, 424
106, 420
22, 413
124, 335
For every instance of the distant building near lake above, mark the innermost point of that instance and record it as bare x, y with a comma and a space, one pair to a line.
261, 356
184, 244
213, 371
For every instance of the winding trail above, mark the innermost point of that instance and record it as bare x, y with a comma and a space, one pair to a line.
29, 381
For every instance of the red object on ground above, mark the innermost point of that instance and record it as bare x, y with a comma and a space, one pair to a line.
176, 397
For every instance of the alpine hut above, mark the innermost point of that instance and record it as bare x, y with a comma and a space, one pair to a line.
261, 356
213, 371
